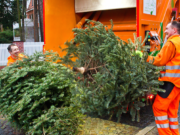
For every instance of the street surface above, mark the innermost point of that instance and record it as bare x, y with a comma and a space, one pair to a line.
97, 126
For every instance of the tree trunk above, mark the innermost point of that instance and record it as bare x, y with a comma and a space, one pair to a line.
40, 7
23, 16
36, 31
1, 26
20, 29
1, 14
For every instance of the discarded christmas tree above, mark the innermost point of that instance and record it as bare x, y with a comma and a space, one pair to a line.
111, 77
36, 97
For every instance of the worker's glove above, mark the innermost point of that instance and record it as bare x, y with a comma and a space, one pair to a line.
139, 53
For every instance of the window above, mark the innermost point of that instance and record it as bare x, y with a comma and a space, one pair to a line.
31, 16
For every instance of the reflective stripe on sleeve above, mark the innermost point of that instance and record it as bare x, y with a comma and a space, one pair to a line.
161, 117
173, 119
173, 67
173, 126
162, 125
170, 75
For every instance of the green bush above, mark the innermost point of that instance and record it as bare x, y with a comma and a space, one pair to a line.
36, 97
6, 36
17, 33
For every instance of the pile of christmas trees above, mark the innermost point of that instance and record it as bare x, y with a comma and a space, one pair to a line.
111, 77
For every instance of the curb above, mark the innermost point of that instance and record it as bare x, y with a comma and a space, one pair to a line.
145, 130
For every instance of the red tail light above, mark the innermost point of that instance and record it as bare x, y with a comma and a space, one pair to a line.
150, 96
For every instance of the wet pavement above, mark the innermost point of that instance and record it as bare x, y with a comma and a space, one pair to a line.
6, 129
146, 118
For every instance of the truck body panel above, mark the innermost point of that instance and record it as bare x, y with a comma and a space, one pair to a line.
61, 16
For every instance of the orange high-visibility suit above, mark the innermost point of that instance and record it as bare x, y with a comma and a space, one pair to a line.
11, 60
166, 104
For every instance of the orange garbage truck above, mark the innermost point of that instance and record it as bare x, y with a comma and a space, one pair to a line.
129, 16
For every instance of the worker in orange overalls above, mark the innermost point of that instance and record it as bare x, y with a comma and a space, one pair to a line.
166, 104
15, 54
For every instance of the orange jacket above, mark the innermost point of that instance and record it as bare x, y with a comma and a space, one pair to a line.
169, 56
11, 60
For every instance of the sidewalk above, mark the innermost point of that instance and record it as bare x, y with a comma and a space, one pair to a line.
151, 131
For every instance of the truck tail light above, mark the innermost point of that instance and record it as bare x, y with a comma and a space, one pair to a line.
150, 96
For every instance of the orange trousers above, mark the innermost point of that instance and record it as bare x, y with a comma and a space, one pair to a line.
166, 113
